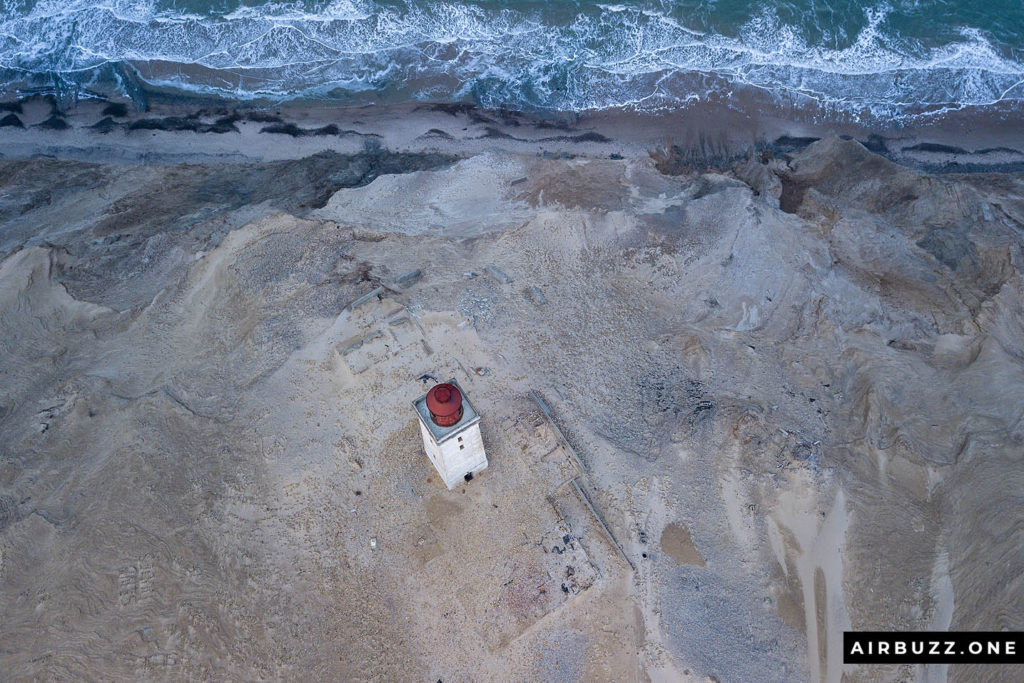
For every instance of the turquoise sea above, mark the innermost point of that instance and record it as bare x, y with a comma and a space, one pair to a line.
871, 59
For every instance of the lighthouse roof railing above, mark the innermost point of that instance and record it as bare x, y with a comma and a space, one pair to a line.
469, 416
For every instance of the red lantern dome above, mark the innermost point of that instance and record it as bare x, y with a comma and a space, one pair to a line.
444, 402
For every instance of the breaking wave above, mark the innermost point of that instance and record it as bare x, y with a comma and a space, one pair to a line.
575, 57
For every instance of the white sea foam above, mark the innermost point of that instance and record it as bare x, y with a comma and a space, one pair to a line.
616, 56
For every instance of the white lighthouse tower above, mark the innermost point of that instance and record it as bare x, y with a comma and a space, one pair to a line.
451, 433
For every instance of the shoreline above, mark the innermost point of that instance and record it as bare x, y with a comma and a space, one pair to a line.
716, 135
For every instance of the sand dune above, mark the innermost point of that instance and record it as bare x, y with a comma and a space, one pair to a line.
794, 383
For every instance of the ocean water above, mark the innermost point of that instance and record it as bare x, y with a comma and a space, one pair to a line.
862, 59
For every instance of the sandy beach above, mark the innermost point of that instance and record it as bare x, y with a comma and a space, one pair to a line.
713, 134
746, 382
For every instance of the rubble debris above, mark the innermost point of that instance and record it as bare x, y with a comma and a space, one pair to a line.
498, 274
558, 432
600, 522
536, 296
408, 279
377, 291
359, 342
